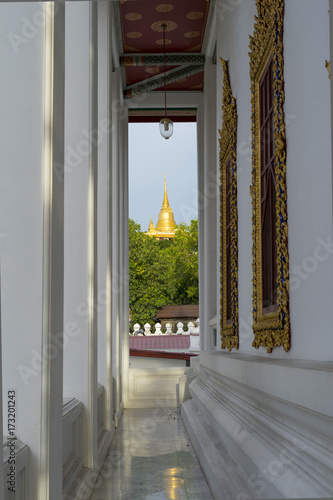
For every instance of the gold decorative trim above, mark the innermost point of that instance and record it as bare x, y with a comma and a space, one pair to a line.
270, 330
328, 67
228, 156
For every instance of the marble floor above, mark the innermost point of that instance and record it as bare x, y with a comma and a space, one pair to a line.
151, 458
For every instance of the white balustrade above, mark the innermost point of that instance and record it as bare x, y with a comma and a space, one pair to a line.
147, 329
168, 328
190, 327
180, 329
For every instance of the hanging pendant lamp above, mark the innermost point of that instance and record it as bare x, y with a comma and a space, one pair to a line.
166, 125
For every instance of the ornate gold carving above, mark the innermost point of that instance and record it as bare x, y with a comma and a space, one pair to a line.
158, 26
161, 41
270, 330
133, 16
134, 34
192, 34
194, 15
164, 7
328, 67
228, 158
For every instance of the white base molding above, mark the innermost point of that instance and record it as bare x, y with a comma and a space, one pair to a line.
118, 414
157, 387
79, 481
252, 444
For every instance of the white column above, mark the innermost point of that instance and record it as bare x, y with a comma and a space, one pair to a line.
210, 200
80, 356
331, 52
115, 222
201, 221
51, 455
104, 274
121, 236
3, 429
125, 312
31, 221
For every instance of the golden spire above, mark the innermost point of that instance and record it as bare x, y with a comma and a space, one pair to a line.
165, 227
165, 199
151, 228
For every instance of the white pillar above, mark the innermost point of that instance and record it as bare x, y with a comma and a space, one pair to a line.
80, 356
121, 260
201, 221
115, 247
331, 52
125, 269
31, 220
51, 456
104, 265
210, 200
3, 429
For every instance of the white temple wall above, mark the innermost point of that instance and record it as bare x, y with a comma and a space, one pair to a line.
307, 109
264, 421
309, 178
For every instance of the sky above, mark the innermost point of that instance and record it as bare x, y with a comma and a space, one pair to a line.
150, 157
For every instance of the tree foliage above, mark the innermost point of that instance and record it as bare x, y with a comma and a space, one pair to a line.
162, 272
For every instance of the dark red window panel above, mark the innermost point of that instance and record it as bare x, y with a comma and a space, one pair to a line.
268, 196
228, 249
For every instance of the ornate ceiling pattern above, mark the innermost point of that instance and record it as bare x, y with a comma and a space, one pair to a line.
141, 29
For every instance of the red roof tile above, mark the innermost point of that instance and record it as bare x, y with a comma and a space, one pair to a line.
186, 311
160, 342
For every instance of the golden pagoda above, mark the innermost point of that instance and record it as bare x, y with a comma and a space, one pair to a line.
165, 227
151, 228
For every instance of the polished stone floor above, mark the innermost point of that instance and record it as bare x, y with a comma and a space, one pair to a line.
151, 458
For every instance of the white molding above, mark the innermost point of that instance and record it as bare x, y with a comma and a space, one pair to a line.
156, 387
72, 427
72, 409
304, 383
280, 449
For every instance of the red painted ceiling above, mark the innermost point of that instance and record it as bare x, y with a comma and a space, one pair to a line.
141, 22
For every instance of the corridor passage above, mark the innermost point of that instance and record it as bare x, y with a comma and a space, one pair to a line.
151, 458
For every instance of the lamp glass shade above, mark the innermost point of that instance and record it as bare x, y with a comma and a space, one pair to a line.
166, 127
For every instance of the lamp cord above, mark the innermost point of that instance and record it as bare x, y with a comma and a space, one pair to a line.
164, 28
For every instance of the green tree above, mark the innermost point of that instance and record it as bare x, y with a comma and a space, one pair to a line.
150, 275
162, 272
185, 255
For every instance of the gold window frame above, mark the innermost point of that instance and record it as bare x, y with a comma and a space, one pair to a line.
270, 330
228, 149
